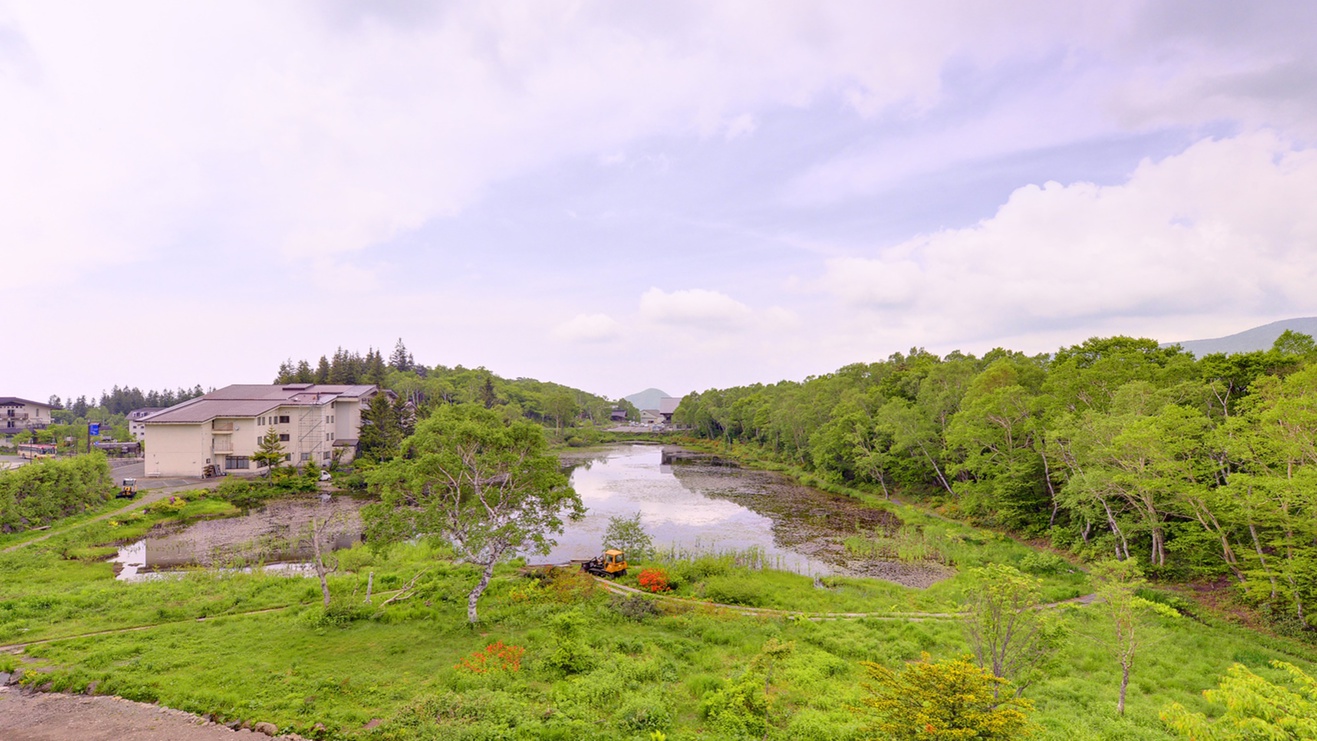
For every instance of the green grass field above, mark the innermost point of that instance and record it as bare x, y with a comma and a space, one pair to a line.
595, 666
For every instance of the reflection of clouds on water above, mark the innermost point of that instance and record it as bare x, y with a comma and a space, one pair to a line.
676, 515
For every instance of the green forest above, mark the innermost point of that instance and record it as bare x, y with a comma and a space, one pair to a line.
1200, 469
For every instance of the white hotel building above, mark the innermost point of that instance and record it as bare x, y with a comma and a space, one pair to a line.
223, 429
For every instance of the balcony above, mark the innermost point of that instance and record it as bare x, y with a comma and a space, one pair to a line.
222, 427
221, 445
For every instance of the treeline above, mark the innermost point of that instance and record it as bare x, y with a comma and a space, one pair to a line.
423, 387
36, 495
1115, 447
122, 401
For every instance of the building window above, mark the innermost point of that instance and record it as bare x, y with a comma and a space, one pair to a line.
232, 462
326, 456
283, 419
288, 457
306, 457
283, 438
326, 437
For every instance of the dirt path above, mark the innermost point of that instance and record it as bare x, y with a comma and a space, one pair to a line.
148, 496
42, 716
616, 588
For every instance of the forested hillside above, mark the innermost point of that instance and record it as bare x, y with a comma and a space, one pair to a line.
1198, 468
424, 386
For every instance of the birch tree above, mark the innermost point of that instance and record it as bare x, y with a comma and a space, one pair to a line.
485, 486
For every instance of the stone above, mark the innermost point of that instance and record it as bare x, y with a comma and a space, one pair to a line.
4, 678
268, 729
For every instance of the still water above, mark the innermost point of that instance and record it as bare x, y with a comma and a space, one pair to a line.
687, 506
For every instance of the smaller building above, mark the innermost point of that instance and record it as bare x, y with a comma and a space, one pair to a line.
650, 417
617, 415
136, 427
667, 406
19, 415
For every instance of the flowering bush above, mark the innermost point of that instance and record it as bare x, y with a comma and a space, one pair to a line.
655, 580
495, 657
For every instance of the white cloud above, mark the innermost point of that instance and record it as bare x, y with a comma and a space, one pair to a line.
588, 328
696, 307
1222, 229
742, 125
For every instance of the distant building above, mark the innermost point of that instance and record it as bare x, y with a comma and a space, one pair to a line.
650, 417
19, 415
617, 415
667, 406
315, 422
135, 425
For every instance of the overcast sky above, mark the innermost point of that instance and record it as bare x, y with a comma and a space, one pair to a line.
618, 195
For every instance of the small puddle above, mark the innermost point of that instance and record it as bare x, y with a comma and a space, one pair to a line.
275, 537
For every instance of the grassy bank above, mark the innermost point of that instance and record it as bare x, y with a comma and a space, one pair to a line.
555, 657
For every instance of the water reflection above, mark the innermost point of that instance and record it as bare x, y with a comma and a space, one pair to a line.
277, 536
678, 513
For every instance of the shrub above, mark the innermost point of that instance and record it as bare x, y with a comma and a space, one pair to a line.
655, 580
496, 657
571, 654
1043, 564
646, 712
634, 607
730, 591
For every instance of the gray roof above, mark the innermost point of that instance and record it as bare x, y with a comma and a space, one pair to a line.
668, 404
137, 414
250, 400
15, 401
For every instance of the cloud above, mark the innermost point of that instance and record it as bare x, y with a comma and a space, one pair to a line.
695, 308
1221, 229
742, 125
588, 328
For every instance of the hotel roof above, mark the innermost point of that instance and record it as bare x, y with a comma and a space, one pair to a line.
250, 400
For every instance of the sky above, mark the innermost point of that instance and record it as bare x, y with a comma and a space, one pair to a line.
615, 196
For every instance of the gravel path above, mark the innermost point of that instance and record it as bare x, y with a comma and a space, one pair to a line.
48, 716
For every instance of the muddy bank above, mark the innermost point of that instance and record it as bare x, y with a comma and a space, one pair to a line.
805, 520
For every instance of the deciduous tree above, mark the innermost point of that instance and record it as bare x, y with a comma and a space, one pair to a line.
486, 487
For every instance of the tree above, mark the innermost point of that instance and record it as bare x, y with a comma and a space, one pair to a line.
561, 406
941, 701
1009, 635
381, 433
627, 535
1254, 708
401, 360
1118, 583
269, 451
486, 487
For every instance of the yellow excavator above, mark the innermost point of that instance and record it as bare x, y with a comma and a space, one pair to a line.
612, 564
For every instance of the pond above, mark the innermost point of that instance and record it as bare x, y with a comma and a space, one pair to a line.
691, 503
275, 536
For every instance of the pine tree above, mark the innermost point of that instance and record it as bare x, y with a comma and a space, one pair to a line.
269, 451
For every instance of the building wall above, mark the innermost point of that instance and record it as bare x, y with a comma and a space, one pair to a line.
177, 450
38, 415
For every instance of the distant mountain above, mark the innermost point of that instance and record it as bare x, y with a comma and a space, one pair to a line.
1258, 338
647, 399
